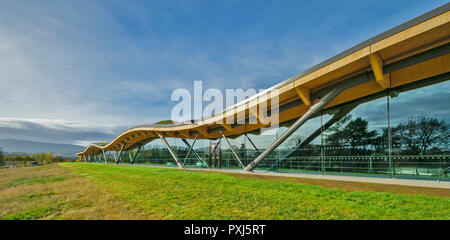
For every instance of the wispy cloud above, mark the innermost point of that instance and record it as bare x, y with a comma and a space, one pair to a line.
56, 130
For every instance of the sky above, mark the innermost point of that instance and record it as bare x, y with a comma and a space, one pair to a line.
83, 71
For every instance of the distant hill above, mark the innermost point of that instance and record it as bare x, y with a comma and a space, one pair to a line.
21, 146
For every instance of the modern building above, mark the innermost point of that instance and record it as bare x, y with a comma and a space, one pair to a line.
378, 108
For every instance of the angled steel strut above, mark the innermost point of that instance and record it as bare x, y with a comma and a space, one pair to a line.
130, 157
191, 148
180, 165
133, 157
104, 156
336, 117
215, 147
316, 108
115, 156
118, 156
213, 154
254, 146
234, 153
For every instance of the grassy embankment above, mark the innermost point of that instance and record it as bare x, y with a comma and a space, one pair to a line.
97, 191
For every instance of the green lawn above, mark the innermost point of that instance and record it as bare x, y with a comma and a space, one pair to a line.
180, 194
98, 191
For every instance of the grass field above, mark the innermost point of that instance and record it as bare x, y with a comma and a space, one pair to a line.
98, 191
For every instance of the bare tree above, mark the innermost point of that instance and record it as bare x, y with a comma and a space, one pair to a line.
421, 134
351, 133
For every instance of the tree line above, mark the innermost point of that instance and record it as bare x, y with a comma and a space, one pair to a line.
37, 158
420, 135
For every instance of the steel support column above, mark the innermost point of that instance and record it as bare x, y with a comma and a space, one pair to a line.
104, 156
129, 156
118, 156
391, 166
171, 151
215, 147
193, 150
213, 154
190, 148
316, 108
336, 117
254, 146
231, 146
135, 155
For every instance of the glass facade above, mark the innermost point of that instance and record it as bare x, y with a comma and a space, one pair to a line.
401, 134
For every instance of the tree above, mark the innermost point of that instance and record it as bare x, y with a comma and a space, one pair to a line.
2, 162
421, 135
43, 158
351, 133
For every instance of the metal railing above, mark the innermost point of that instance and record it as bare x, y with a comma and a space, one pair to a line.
375, 164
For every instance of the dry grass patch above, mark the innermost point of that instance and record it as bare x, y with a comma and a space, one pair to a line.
53, 192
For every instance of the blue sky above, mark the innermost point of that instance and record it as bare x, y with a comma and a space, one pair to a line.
82, 71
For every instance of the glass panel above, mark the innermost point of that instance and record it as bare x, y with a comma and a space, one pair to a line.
262, 142
201, 148
357, 144
227, 158
293, 157
156, 153
420, 135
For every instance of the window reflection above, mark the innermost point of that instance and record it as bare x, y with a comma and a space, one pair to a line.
420, 134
